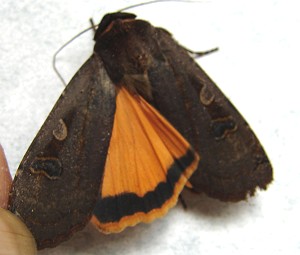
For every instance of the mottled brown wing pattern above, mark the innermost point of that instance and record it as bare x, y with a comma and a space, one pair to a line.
57, 183
233, 163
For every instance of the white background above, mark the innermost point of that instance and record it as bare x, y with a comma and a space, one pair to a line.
257, 67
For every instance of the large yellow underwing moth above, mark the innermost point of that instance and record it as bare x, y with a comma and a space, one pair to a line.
126, 135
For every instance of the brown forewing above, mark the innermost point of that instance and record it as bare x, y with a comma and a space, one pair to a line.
233, 163
57, 183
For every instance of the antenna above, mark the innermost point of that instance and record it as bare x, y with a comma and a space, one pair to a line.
155, 1
61, 48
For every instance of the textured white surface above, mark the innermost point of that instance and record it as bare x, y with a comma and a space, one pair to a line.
257, 68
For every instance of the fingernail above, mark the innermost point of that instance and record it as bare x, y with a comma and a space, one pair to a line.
5, 180
15, 237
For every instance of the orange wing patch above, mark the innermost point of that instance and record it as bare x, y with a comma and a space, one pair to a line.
148, 164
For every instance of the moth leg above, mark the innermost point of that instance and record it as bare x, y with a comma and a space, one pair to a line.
93, 25
197, 54
182, 201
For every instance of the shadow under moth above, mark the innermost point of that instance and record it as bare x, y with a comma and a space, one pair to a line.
138, 122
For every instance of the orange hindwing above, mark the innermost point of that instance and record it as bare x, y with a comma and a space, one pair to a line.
148, 164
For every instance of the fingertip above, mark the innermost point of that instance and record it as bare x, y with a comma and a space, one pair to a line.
5, 180
15, 236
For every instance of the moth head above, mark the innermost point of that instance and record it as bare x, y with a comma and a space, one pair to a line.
109, 18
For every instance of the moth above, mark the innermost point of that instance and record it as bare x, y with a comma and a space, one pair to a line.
138, 122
